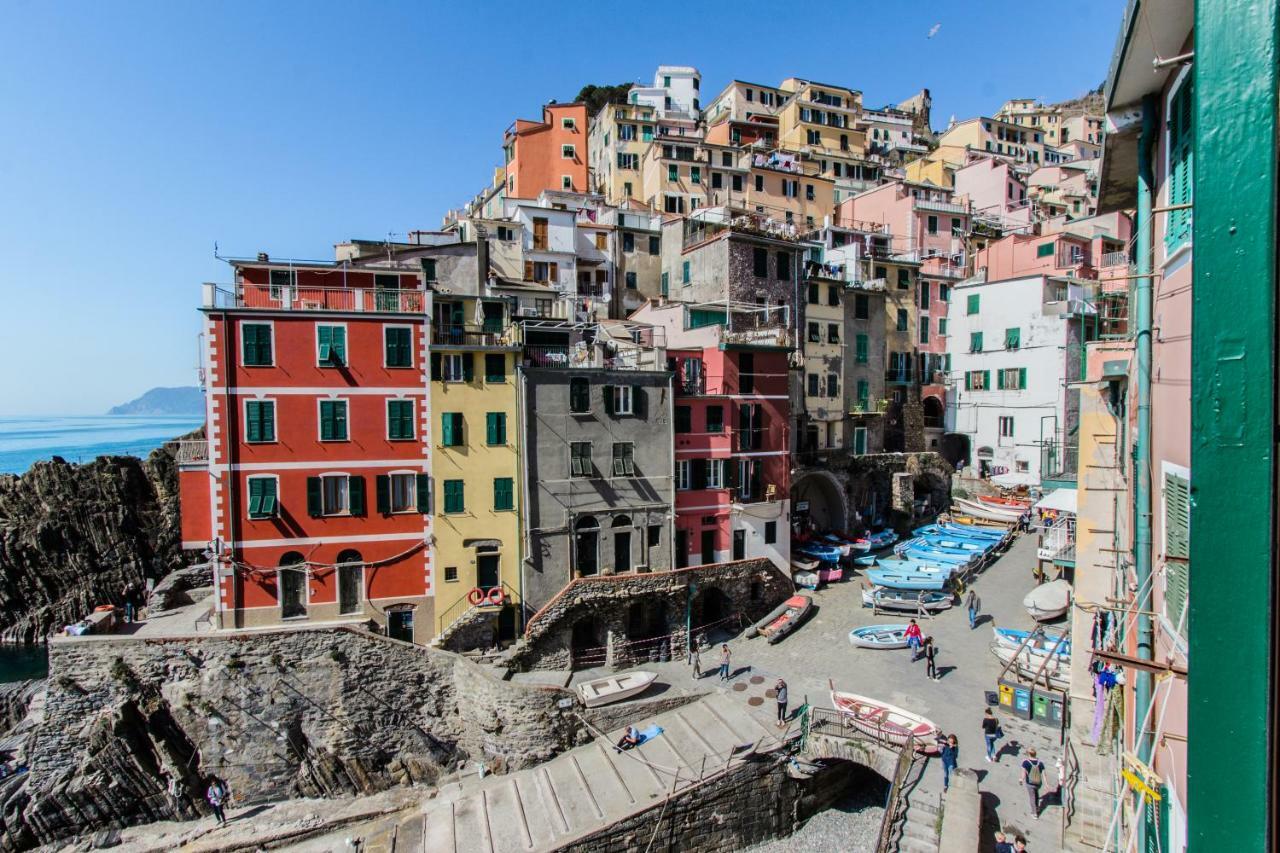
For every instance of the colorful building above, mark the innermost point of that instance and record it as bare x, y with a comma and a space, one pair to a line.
551, 154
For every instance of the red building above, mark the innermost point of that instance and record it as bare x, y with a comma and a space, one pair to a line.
311, 492
731, 429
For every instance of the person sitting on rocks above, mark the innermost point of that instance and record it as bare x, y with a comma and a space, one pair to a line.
630, 738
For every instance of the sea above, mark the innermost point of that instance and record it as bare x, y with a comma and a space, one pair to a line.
26, 440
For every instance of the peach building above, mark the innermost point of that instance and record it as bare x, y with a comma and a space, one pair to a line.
550, 154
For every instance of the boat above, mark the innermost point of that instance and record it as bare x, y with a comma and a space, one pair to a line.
879, 637
907, 580
988, 511
1009, 502
910, 601
997, 524
818, 551
799, 564
615, 688
921, 543
917, 566
806, 580
1048, 601
964, 531
836, 542
1041, 643
830, 573
869, 560
1031, 668
886, 722
783, 619
875, 541
929, 555
958, 544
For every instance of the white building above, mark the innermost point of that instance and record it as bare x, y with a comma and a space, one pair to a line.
675, 90
1014, 347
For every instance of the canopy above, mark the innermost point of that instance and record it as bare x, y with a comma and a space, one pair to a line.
1062, 500
1013, 479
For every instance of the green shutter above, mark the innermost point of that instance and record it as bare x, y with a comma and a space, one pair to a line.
451, 429
382, 492
333, 420
666, 286
861, 349
315, 503
253, 421
1044, 250
468, 366
400, 419
986, 379
1000, 380
968, 380
1181, 164
1012, 338
1177, 546
973, 303
424, 493
863, 393
454, 496
257, 344
975, 342
1022, 379
685, 272
355, 494
860, 441
495, 428
503, 493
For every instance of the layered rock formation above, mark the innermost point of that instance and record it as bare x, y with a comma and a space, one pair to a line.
73, 536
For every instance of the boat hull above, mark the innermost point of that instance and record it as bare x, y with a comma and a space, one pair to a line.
887, 723
784, 619
879, 637
987, 511
615, 688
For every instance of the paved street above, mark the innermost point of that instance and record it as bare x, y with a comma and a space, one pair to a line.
820, 650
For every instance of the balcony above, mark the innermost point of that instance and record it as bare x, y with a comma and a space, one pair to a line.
941, 207
862, 408
296, 298
707, 226
898, 377
1058, 540
874, 284
1115, 259
762, 336
473, 336
593, 358
190, 452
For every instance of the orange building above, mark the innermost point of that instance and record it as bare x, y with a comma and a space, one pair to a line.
547, 155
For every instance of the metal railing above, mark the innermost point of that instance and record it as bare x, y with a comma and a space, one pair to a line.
893, 806
299, 298
940, 206
1115, 259
769, 336
587, 358
472, 336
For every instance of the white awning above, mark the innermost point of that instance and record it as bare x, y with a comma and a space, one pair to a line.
1061, 500
1013, 479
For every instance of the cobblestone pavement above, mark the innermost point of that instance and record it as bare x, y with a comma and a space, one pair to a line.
820, 650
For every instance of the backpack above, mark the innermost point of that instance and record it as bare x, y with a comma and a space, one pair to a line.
1035, 773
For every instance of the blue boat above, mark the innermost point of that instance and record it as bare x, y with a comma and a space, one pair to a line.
928, 555
964, 531
907, 580
957, 544
1041, 645
875, 541
865, 561
934, 545
822, 552
917, 566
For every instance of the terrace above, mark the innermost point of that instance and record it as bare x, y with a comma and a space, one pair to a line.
270, 297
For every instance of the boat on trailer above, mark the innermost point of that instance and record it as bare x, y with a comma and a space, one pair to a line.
908, 580
615, 688
988, 511
1036, 669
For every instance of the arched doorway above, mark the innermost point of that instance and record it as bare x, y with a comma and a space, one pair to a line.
955, 449
291, 586
710, 607
586, 546
586, 648
350, 571
933, 411
818, 502
647, 632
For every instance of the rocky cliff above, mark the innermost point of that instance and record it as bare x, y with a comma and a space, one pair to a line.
72, 536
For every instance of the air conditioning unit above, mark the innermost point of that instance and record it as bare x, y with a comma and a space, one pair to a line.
527, 312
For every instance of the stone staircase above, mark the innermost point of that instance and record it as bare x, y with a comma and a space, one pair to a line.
582, 791
921, 816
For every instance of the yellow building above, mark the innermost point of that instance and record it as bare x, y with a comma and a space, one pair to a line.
938, 167
675, 175
782, 186
996, 136
618, 139
820, 117
476, 468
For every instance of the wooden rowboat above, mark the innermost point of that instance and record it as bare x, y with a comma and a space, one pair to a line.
885, 722
988, 511
615, 688
1048, 601
1028, 667
1009, 502
784, 619
879, 637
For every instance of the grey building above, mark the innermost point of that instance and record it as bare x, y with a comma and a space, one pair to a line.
864, 365
598, 462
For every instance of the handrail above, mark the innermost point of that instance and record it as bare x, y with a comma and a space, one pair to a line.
894, 803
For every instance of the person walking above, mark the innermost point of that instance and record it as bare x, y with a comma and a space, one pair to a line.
695, 658
930, 659
781, 687
1033, 778
950, 756
972, 603
217, 795
990, 733
725, 657
914, 636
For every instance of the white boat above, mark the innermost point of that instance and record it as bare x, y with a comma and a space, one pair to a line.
879, 637
615, 688
804, 565
1041, 644
1048, 601
1030, 667
991, 512
886, 722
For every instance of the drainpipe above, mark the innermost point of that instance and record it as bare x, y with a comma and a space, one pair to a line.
1142, 688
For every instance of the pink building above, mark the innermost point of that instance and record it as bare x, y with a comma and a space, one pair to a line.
924, 219
933, 294
995, 190
1018, 255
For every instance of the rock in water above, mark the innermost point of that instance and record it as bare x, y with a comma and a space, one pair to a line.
72, 536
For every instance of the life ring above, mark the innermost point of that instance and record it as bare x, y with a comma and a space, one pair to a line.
495, 597
475, 596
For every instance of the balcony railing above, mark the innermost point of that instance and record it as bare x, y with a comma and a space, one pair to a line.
940, 206
1115, 259
592, 358
764, 336
899, 377
190, 452
298, 298
472, 336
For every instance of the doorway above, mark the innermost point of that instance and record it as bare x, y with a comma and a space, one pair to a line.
622, 544
587, 541
488, 574
400, 625
682, 549
708, 547
739, 544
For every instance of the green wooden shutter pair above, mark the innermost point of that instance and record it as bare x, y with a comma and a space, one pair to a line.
260, 421
451, 429
495, 428
454, 500
860, 349
1177, 547
1181, 162
975, 342
257, 344
333, 420
972, 304
1012, 338
262, 497
503, 494
685, 272
400, 419
333, 345
398, 349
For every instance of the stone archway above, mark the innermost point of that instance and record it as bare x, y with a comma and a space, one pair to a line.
819, 498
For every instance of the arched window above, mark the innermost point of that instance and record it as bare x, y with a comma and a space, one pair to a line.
291, 586
350, 582
349, 556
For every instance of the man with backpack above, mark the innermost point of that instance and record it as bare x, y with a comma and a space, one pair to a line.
1033, 778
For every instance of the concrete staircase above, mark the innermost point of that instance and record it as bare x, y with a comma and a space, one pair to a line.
921, 816
582, 791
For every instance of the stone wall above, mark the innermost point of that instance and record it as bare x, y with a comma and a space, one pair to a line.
624, 620
277, 715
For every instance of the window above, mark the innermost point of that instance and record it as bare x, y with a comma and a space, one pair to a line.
629, 161
760, 262
924, 330
859, 441
972, 304
1181, 157
495, 367
861, 306
944, 293
568, 152
931, 225
942, 325
255, 344
735, 183
1177, 545
815, 334
860, 348
331, 342
1006, 426
259, 421
833, 295
684, 273
655, 244
746, 373
632, 284
784, 266
450, 574
451, 429
495, 428
624, 464
580, 459
567, 123
335, 494
759, 183
715, 473
1012, 338
813, 137
715, 419
666, 284
403, 492
673, 173
623, 398
809, 192
683, 419
333, 420
397, 346
864, 394
283, 281
790, 188
977, 380
814, 382
399, 420
504, 497
262, 497
695, 175
579, 395
770, 532
455, 499
602, 240
813, 293
1044, 250
1012, 379
975, 342
904, 279
683, 478
903, 320
833, 333
833, 385
626, 189
924, 295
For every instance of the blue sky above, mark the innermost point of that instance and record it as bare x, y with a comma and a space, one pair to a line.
137, 135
